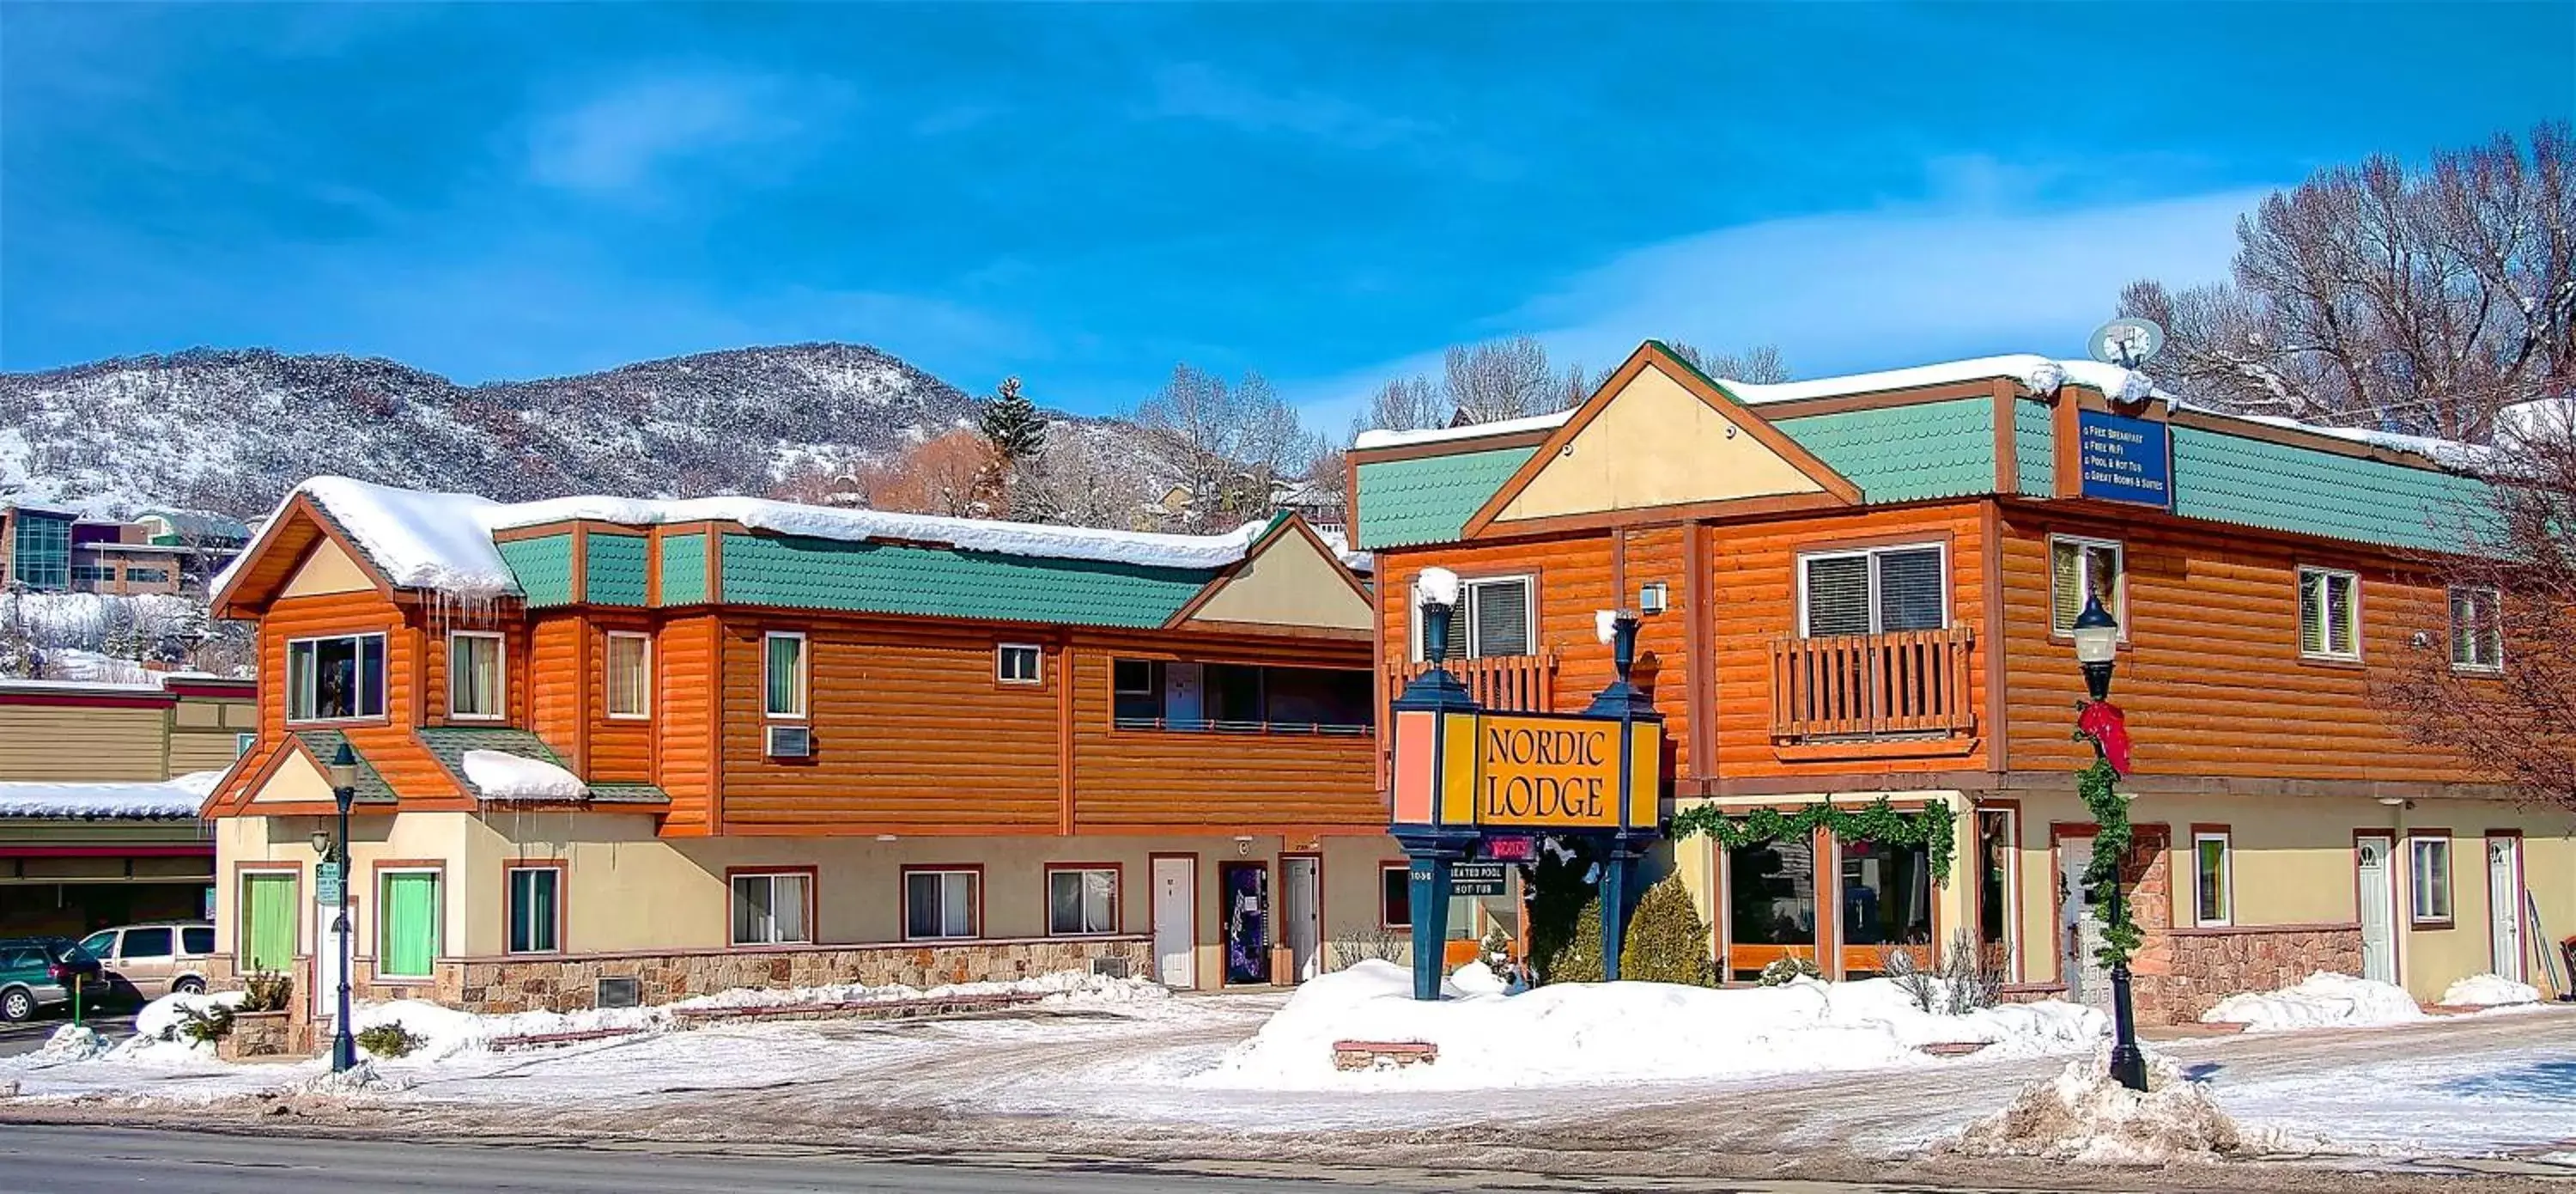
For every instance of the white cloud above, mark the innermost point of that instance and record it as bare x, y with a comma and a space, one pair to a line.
1847, 292
617, 139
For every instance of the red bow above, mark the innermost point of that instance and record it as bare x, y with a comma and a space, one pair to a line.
2102, 722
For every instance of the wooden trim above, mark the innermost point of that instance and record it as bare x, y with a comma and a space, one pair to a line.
563, 902
2007, 443
2450, 879
1445, 447
1998, 674
715, 730
1954, 746
2060, 782
974, 908
1619, 569
653, 567
228, 605
1745, 507
2297, 438
1154, 914
2068, 444
89, 700
1831, 404
294, 871
581, 562
1046, 898
714, 541
1699, 678
1270, 630
1065, 786
813, 904
1403, 866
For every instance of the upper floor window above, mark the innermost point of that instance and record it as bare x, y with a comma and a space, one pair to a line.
2081, 568
474, 683
43, 551
2477, 629
1017, 663
1873, 590
2329, 614
1496, 616
332, 679
630, 675
1242, 697
782, 655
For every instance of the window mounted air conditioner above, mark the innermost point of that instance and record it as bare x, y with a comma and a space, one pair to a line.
791, 742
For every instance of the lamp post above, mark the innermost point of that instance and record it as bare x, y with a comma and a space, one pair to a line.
344, 790
2097, 644
1624, 700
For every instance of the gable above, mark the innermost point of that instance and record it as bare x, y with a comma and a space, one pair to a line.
296, 780
1656, 443
1290, 581
325, 570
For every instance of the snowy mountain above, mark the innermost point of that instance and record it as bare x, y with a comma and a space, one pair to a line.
233, 430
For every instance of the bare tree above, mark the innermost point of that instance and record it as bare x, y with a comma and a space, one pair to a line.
1075, 480
1230, 444
1501, 379
2408, 300
954, 475
1759, 364
1407, 403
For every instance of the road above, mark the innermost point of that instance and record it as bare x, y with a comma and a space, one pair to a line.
63, 1159
30, 1036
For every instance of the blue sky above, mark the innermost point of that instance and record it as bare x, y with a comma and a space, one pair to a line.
1086, 194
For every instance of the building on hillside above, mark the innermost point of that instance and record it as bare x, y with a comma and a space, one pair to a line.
731, 742
161, 552
99, 790
1861, 588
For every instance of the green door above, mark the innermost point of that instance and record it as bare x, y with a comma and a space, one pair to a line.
407, 936
268, 914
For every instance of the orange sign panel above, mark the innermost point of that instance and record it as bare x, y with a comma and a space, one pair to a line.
1547, 772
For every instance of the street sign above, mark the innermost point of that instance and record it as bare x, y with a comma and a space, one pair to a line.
1476, 879
326, 884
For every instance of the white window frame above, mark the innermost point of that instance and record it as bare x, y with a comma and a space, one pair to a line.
2119, 610
500, 671
437, 920
2322, 577
510, 912
974, 900
2416, 916
1877, 616
2226, 879
1037, 664
804, 675
310, 692
1083, 875
2494, 600
608, 665
812, 908
1462, 622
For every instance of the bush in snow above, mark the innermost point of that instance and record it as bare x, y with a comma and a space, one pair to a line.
1969, 976
207, 1024
267, 991
1786, 970
357, 1079
1370, 945
2082, 1115
1667, 942
390, 1039
1577, 957
73, 1042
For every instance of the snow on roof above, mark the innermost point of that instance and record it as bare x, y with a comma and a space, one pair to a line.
500, 775
425, 540
176, 799
1435, 435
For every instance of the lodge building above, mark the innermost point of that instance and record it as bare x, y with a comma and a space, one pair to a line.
727, 742
1861, 588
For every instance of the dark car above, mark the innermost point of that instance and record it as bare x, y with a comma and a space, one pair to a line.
38, 972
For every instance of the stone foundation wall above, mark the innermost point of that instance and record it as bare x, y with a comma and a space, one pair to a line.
571, 983
2207, 965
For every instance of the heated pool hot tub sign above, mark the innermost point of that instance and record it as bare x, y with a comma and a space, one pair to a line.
2124, 460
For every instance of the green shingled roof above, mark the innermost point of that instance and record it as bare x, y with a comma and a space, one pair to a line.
2034, 448
371, 787
805, 573
448, 745
1429, 499
614, 572
543, 566
1906, 453
2256, 483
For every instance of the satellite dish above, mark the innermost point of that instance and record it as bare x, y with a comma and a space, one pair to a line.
2128, 342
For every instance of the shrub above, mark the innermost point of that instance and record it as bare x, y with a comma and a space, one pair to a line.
1667, 941
1577, 958
390, 1040
1372, 944
1788, 970
267, 991
205, 1025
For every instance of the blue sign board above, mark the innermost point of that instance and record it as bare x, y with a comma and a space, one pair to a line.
2124, 459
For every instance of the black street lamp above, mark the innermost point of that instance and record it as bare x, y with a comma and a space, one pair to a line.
344, 790
2097, 644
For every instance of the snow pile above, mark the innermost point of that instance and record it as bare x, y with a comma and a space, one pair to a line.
1628, 1031
160, 1036
2488, 990
2321, 1000
199, 784
101, 801
1476, 978
503, 776
2083, 1116
1059, 988
447, 1032
73, 1042
362, 1078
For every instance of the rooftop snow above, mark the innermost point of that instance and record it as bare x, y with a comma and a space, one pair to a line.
503, 776
176, 799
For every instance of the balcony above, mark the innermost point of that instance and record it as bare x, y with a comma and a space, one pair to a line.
1504, 683
1910, 684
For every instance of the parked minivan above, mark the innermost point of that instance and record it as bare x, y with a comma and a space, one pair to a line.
145, 962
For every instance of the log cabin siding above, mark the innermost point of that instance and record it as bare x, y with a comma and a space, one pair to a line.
2211, 677
685, 716
1573, 582
387, 742
555, 698
620, 749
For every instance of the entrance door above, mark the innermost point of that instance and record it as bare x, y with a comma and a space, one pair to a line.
2378, 893
2079, 928
326, 963
1176, 895
1998, 895
2504, 905
1302, 902
1246, 892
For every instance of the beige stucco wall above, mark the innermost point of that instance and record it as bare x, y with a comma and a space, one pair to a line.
1291, 583
1656, 444
325, 570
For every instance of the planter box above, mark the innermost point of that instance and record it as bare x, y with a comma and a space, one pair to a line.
256, 1035
1952, 1048
1369, 1055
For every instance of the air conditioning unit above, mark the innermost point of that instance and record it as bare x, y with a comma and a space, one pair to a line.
1109, 967
791, 742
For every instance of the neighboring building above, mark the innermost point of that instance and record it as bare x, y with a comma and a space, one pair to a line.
732, 742
1864, 586
162, 552
99, 789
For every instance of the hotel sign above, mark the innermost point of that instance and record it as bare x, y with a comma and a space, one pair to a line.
2122, 459
1525, 771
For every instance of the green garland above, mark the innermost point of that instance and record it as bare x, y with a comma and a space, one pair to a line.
2096, 786
1875, 822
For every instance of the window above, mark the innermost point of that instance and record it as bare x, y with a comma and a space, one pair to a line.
2080, 568
146, 943
1016, 663
783, 670
407, 924
100, 945
1241, 697
2212, 877
1136, 690
43, 551
1395, 895
474, 676
773, 909
147, 576
197, 941
2329, 614
1494, 618
536, 909
1873, 591
630, 675
938, 904
1886, 893
2477, 630
92, 574
1082, 900
2431, 881
242, 743
332, 679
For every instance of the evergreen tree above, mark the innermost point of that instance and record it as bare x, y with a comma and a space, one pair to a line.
1013, 424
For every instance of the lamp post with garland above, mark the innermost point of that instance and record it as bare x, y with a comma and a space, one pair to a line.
2098, 721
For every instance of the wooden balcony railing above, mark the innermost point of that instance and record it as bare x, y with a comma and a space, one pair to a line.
1911, 683
1505, 683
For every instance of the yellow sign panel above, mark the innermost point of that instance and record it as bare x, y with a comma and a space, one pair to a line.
1547, 772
